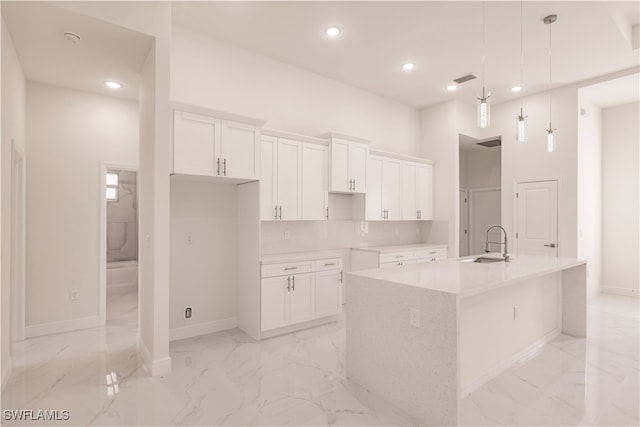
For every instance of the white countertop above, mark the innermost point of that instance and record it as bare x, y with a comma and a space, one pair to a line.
400, 248
301, 256
467, 278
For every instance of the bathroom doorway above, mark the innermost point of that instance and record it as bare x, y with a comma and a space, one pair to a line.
119, 281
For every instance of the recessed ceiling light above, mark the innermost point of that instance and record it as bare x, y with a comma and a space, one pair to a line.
112, 85
408, 66
516, 89
451, 88
332, 31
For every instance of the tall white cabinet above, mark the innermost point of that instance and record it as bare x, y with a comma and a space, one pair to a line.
417, 191
384, 187
348, 165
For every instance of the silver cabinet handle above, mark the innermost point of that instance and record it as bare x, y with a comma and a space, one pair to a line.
354, 184
276, 215
326, 215
280, 211
399, 256
289, 284
340, 276
218, 172
327, 264
293, 283
224, 163
290, 268
551, 245
399, 263
432, 253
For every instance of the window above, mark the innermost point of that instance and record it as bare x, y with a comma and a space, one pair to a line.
112, 187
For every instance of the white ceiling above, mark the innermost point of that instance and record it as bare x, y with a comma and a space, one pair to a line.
620, 91
443, 39
106, 52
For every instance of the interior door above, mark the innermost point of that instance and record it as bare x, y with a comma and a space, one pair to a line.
314, 181
358, 155
537, 218
302, 306
194, 143
464, 223
275, 303
268, 167
484, 211
238, 145
409, 192
373, 200
391, 188
288, 178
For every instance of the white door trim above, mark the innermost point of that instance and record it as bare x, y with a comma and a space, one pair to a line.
472, 193
103, 235
516, 182
18, 243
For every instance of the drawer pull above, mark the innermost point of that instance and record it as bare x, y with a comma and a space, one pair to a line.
290, 268
431, 253
399, 256
327, 264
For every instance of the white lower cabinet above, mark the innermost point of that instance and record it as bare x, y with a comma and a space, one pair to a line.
300, 291
397, 256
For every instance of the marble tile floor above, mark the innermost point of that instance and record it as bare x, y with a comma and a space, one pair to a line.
299, 379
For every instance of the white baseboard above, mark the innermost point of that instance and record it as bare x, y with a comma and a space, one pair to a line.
203, 328
6, 372
620, 291
526, 353
157, 367
62, 326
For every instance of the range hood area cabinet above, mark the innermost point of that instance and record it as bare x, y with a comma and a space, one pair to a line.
294, 180
205, 145
348, 165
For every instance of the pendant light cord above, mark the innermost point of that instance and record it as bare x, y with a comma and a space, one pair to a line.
550, 94
484, 49
521, 60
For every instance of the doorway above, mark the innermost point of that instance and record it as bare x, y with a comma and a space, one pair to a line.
537, 217
119, 245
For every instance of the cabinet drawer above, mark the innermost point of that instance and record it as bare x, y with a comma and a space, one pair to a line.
398, 263
396, 256
272, 270
432, 253
328, 264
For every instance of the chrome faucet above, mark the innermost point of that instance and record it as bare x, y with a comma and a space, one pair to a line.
506, 243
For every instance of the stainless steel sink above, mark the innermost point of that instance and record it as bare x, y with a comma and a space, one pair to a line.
483, 260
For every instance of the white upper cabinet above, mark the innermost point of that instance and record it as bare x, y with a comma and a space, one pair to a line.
315, 159
383, 189
194, 139
268, 178
348, 166
289, 189
409, 191
207, 146
238, 150
424, 191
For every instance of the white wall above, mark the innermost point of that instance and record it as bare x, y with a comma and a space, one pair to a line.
213, 74
590, 191
203, 272
620, 190
69, 134
13, 129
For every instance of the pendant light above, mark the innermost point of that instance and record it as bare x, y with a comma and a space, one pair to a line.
521, 121
484, 109
551, 139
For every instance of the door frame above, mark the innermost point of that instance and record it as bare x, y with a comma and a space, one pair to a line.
516, 182
104, 167
472, 193
18, 242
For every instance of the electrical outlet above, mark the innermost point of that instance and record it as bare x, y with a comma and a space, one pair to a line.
74, 295
188, 313
287, 234
414, 317
188, 238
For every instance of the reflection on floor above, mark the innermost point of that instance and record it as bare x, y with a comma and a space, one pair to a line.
299, 379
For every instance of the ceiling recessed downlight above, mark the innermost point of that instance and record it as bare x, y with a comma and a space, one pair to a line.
332, 31
516, 89
112, 85
408, 66
451, 88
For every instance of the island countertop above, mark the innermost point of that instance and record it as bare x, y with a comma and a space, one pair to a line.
466, 279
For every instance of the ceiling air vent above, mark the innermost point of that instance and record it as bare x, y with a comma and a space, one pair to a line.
491, 142
464, 78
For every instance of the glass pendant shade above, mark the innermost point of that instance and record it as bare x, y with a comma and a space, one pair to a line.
484, 111
551, 139
521, 130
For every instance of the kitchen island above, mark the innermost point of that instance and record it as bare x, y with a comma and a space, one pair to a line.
422, 336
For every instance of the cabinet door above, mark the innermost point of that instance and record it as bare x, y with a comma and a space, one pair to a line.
302, 295
424, 190
358, 166
373, 199
288, 178
339, 166
238, 149
268, 166
409, 202
194, 138
314, 181
391, 188
275, 303
327, 293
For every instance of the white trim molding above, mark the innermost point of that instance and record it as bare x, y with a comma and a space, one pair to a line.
629, 292
155, 368
62, 326
203, 328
